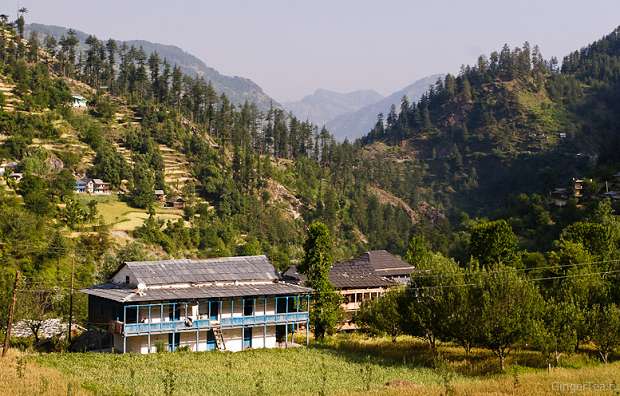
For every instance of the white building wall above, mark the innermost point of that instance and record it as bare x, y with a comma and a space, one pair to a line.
233, 339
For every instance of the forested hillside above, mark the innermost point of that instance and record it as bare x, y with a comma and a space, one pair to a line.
249, 180
237, 89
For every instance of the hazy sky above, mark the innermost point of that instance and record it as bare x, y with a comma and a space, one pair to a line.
290, 48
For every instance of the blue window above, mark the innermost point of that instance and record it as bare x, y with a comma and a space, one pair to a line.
215, 310
211, 344
174, 339
247, 337
248, 307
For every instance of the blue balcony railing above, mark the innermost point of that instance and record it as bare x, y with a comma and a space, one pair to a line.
198, 324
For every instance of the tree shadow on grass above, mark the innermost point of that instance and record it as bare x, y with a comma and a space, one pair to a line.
412, 353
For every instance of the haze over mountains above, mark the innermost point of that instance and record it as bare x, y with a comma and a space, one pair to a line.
352, 115
324, 105
237, 89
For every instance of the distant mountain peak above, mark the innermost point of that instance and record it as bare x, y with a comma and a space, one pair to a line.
358, 123
324, 104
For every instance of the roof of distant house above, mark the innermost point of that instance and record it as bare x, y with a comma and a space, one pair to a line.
371, 269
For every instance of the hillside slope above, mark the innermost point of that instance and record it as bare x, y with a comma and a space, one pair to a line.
237, 89
514, 123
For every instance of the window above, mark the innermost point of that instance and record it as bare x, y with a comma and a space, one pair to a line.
248, 307
127, 279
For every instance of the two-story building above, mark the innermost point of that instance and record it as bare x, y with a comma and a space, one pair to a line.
87, 185
231, 303
363, 278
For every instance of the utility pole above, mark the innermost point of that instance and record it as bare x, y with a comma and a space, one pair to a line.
9, 323
71, 298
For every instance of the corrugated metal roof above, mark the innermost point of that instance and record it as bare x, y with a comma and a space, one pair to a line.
385, 262
367, 270
118, 293
352, 274
226, 269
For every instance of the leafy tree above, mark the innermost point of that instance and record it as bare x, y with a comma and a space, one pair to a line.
509, 309
605, 329
596, 237
431, 298
493, 242
63, 183
418, 250
556, 333
326, 312
143, 191
383, 315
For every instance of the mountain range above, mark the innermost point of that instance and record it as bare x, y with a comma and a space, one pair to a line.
351, 115
237, 89
357, 123
325, 105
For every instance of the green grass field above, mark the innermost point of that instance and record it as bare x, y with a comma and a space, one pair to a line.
122, 217
345, 365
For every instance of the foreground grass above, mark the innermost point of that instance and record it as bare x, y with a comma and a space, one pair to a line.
342, 366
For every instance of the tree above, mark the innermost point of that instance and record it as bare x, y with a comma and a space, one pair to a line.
317, 262
509, 309
418, 250
605, 328
143, 191
382, 316
430, 299
556, 333
493, 242
34, 307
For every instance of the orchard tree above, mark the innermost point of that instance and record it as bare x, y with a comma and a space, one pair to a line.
556, 333
383, 315
317, 262
605, 329
431, 298
493, 242
509, 308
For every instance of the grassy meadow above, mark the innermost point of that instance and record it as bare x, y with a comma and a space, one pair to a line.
123, 217
344, 365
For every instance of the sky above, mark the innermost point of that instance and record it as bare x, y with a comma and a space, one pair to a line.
291, 48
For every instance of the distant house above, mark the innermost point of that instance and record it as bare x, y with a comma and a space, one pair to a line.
175, 201
79, 102
7, 166
160, 196
559, 197
17, 176
366, 277
87, 185
100, 187
228, 303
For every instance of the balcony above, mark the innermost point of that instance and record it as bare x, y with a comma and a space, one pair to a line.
205, 324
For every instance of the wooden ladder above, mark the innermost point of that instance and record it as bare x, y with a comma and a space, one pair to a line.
219, 337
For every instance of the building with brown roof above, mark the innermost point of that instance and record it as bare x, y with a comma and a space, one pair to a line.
363, 278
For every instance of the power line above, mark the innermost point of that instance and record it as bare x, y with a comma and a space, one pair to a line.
431, 273
525, 280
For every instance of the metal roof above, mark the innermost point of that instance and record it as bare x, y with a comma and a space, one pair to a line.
352, 274
368, 270
121, 294
226, 269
